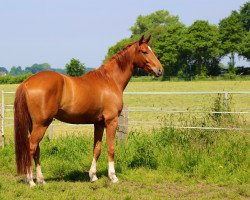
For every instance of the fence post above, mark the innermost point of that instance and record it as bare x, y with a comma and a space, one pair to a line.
226, 100
51, 130
122, 128
2, 121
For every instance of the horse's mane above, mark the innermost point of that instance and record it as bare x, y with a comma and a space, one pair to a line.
122, 57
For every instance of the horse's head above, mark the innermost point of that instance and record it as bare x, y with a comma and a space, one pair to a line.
146, 59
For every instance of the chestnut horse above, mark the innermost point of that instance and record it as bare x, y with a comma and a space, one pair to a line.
94, 98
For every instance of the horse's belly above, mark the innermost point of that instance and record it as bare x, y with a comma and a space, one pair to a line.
79, 118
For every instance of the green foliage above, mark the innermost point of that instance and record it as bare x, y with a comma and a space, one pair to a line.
75, 68
231, 35
245, 15
245, 47
166, 47
117, 47
16, 70
199, 49
153, 22
194, 51
35, 68
215, 157
194, 153
9, 79
3, 70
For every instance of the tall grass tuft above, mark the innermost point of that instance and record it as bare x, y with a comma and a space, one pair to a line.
213, 156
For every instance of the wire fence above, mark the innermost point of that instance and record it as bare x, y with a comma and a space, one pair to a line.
7, 112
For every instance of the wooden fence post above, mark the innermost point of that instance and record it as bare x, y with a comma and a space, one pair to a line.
123, 124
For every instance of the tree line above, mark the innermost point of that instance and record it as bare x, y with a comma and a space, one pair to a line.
195, 50
18, 75
17, 70
185, 51
73, 68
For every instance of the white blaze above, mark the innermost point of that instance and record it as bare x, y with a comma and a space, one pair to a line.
149, 48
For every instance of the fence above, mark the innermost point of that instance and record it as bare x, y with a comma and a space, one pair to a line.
123, 120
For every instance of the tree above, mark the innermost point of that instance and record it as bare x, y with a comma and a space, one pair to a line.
75, 68
16, 71
245, 15
155, 24
3, 70
231, 35
117, 47
37, 68
245, 47
153, 21
167, 48
199, 49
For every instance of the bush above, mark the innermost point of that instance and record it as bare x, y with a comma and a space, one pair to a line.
13, 79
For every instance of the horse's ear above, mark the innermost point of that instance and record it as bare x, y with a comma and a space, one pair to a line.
147, 40
141, 40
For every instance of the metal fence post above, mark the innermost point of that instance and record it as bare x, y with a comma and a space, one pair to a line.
51, 130
226, 101
2, 121
122, 128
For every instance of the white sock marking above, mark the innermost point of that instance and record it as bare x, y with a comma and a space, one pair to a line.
92, 171
39, 175
112, 175
30, 177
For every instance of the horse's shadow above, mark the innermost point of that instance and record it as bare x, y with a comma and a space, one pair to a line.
75, 176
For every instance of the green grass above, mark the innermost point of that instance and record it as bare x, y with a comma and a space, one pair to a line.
161, 164
168, 102
166, 163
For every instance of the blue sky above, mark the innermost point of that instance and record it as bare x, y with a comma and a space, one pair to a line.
55, 31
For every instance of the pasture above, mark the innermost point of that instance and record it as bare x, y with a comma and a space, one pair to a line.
160, 163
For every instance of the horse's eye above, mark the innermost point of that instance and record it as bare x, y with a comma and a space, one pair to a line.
144, 52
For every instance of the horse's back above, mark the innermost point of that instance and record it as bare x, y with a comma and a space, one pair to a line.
85, 99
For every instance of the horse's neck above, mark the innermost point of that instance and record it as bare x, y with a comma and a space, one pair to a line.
121, 74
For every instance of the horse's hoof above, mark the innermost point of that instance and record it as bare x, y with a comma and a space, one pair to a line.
93, 177
32, 184
42, 182
113, 178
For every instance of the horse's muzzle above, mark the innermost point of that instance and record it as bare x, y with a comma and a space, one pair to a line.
158, 71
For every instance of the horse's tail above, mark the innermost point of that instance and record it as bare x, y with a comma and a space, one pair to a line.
22, 126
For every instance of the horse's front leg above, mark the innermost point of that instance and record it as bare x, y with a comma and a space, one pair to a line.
98, 133
111, 126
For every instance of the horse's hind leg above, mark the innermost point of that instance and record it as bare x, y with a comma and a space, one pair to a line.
96, 151
111, 126
39, 174
36, 136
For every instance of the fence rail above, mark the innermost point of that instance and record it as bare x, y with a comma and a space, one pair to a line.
7, 107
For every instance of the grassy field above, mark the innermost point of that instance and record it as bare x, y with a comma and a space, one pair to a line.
165, 164
190, 103
162, 163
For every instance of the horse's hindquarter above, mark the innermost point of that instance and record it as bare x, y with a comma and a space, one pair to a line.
44, 91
